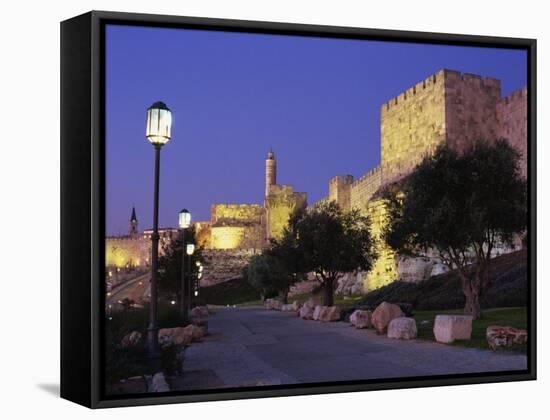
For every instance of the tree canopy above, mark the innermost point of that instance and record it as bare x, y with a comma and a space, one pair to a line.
332, 242
462, 206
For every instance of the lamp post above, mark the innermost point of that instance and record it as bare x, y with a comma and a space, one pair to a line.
198, 285
158, 132
184, 222
189, 250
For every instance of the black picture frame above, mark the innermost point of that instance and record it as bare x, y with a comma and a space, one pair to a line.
83, 209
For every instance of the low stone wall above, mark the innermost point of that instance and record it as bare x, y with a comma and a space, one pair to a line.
221, 265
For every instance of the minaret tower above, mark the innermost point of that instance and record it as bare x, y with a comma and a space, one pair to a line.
133, 227
270, 171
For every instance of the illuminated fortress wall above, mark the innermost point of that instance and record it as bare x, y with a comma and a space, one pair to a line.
236, 226
411, 125
512, 123
124, 252
448, 107
280, 204
363, 188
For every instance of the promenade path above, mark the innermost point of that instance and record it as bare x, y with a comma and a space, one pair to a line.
254, 346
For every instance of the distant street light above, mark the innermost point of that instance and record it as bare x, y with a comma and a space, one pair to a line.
158, 132
184, 223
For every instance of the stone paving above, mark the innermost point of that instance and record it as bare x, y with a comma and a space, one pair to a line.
254, 347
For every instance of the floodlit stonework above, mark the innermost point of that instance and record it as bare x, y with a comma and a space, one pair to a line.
251, 226
134, 249
448, 107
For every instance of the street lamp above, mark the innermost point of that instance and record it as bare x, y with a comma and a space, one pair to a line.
190, 249
184, 222
184, 219
158, 132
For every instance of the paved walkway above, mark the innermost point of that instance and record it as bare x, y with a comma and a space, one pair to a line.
254, 346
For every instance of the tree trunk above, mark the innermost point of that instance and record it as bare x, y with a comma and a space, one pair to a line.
328, 288
472, 293
283, 295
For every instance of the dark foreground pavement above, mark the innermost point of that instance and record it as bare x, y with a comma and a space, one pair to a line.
254, 346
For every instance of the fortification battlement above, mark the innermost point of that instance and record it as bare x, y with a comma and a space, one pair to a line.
446, 77
243, 212
367, 176
221, 207
121, 239
341, 179
280, 189
519, 95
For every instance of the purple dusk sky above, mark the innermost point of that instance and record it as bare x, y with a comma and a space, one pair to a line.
316, 101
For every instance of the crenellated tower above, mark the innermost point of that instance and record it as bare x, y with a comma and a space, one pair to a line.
270, 171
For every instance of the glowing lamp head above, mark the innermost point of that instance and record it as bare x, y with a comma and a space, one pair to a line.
190, 249
159, 124
184, 219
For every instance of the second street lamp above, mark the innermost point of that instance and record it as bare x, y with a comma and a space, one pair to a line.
158, 132
184, 222
190, 249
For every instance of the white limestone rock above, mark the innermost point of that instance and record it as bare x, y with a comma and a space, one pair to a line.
402, 328
383, 314
361, 319
448, 328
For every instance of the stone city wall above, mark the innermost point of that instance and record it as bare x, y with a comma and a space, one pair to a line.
280, 205
363, 188
470, 109
412, 124
384, 270
124, 252
339, 191
223, 265
235, 213
512, 123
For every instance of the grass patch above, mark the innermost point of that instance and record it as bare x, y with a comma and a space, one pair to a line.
251, 303
512, 317
232, 292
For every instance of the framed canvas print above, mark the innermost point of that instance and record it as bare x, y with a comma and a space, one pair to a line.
255, 209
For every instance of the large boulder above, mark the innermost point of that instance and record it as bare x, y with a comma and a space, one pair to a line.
502, 337
383, 315
317, 312
158, 383
448, 328
313, 301
306, 312
414, 269
196, 332
350, 283
131, 339
402, 328
178, 336
199, 312
329, 314
361, 319
274, 304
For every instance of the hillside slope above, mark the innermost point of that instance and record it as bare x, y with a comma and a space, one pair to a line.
508, 288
